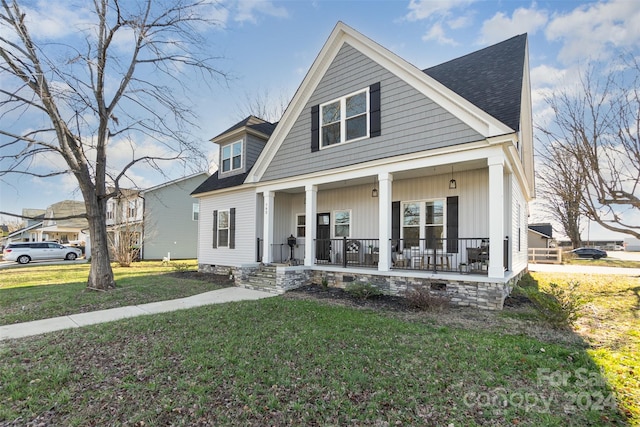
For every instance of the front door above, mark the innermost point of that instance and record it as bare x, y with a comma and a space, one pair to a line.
323, 236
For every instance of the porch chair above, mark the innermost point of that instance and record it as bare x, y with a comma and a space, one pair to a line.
353, 252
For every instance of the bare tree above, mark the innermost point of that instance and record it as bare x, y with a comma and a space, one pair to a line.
560, 188
119, 80
597, 126
264, 105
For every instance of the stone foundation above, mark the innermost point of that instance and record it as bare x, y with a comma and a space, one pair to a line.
462, 290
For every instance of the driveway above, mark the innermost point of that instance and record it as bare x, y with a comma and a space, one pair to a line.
589, 269
12, 264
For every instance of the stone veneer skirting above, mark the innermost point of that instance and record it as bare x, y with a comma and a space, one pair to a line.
462, 290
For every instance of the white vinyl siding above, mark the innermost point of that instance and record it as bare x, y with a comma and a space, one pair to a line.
244, 202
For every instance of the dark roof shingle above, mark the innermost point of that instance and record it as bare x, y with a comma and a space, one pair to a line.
490, 78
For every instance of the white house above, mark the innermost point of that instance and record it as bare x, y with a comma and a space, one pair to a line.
383, 173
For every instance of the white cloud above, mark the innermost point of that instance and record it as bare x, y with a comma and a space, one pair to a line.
500, 26
424, 9
437, 34
592, 30
248, 9
462, 21
55, 19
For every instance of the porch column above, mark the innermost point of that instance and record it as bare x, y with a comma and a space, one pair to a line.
267, 228
385, 180
311, 217
496, 216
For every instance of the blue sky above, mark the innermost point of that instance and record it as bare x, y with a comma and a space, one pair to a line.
270, 45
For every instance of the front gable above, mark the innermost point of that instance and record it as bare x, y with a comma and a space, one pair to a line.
409, 121
367, 63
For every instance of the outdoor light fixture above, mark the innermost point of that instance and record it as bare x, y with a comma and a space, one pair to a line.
452, 182
374, 192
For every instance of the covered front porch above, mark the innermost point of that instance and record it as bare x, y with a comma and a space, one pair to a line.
444, 214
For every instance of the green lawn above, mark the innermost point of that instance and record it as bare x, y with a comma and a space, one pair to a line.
284, 361
40, 292
290, 362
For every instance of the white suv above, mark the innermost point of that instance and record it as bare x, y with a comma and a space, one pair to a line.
24, 252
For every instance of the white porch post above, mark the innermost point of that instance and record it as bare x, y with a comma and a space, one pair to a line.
267, 230
311, 202
385, 180
496, 216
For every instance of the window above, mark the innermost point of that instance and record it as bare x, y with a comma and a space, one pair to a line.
301, 222
195, 211
132, 211
232, 156
342, 224
223, 228
345, 119
423, 221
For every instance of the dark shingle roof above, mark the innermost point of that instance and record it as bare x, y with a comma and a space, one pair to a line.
490, 78
545, 229
250, 122
214, 183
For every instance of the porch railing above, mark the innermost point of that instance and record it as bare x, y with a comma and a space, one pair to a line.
462, 255
347, 252
281, 252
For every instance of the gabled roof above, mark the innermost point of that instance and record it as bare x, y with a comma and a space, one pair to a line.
545, 230
251, 124
175, 181
472, 115
22, 230
490, 78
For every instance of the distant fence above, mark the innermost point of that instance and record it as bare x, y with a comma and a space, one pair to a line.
545, 255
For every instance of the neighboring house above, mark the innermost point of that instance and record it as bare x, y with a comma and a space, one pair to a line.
69, 230
540, 235
171, 219
384, 173
32, 230
161, 221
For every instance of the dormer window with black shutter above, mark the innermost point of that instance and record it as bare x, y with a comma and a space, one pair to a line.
232, 156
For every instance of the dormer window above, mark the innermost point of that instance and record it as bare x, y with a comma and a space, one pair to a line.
345, 119
232, 156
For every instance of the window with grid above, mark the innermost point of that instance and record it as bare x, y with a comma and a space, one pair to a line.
345, 119
232, 156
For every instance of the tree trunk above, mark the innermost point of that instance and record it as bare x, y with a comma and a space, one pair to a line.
100, 274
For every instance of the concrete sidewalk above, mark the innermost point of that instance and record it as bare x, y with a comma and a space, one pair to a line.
20, 330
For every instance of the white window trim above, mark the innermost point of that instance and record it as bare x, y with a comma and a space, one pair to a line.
333, 223
298, 226
241, 142
195, 208
218, 227
343, 119
423, 218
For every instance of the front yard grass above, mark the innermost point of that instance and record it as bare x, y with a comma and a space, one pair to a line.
611, 326
295, 362
40, 292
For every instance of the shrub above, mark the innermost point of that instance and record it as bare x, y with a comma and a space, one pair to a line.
362, 290
423, 299
180, 267
560, 306
325, 282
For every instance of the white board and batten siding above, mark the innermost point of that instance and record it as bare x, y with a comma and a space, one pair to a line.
518, 235
244, 202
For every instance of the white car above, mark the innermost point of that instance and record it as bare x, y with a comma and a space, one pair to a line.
23, 252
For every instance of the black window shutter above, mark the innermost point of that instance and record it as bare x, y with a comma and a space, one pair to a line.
315, 128
395, 226
232, 228
215, 229
374, 110
452, 224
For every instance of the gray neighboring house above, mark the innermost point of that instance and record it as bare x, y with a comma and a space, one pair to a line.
170, 215
540, 235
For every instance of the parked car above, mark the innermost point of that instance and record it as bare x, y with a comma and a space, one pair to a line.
589, 253
22, 253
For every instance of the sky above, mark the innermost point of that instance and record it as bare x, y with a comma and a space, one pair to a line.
268, 47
